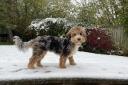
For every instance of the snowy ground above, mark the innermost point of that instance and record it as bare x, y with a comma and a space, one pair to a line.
13, 66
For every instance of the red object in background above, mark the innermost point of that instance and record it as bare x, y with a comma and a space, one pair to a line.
99, 39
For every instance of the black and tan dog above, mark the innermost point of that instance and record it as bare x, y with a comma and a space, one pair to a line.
65, 47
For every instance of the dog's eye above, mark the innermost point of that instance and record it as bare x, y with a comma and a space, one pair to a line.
74, 34
80, 33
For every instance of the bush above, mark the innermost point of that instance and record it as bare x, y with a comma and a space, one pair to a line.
98, 40
50, 26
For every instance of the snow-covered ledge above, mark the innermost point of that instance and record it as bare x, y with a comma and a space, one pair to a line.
95, 67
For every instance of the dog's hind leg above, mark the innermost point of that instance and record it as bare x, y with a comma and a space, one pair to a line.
35, 57
38, 63
31, 64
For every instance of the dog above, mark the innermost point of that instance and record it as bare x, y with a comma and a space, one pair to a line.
65, 47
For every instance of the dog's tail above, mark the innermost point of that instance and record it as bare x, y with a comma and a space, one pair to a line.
23, 46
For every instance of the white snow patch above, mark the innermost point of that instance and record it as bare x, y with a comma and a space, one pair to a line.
39, 24
13, 66
98, 38
43, 24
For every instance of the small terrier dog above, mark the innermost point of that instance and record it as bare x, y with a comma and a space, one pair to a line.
65, 47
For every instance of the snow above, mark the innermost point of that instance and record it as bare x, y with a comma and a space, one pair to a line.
39, 24
13, 66
44, 24
98, 38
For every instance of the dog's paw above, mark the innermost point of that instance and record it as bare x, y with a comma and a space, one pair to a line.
62, 67
31, 67
39, 65
73, 63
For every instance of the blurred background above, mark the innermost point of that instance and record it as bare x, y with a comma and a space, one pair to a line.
106, 22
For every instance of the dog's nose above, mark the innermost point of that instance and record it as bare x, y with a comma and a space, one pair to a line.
79, 39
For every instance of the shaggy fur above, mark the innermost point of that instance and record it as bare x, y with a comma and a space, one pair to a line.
65, 47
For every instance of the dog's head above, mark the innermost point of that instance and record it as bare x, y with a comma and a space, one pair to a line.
77, 35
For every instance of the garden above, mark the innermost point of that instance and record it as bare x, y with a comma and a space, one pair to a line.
105, 51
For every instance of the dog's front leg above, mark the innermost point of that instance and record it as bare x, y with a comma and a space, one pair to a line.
71, 60
62, 62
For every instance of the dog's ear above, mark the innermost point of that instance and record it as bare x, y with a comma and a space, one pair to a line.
68, 35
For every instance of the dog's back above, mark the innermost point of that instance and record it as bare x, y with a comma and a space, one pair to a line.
47, 43
55, 44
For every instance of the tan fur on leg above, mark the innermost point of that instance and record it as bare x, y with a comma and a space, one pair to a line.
39, 60
32, 62
71, 60
62, 62
36, 56
39, 63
